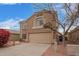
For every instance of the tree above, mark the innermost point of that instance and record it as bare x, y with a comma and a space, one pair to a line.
66, 20
4, 37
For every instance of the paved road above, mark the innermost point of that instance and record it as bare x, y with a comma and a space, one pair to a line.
24, 49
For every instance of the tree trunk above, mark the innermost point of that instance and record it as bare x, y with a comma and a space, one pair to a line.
65, 40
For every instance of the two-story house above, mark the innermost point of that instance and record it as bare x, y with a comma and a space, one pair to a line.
74, 36
33, 30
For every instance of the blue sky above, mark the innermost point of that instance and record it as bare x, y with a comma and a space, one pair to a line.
12, 14
15, 11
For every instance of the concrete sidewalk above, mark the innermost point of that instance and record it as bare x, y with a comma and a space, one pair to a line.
69, 50
73, 50
24, 49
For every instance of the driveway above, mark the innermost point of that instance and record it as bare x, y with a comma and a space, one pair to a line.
24, 49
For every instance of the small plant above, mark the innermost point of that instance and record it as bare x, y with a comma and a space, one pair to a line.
4, 36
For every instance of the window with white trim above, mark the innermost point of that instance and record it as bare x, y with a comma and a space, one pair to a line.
39, 22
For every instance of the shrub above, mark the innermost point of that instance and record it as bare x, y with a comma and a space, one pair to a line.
4, 36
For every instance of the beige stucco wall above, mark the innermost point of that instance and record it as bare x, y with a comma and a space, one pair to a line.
46, 33
48, 17
74, 37
14, 37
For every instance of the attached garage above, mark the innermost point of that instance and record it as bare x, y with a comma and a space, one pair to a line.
40, 38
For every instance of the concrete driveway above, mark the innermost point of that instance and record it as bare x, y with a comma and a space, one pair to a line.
24, 49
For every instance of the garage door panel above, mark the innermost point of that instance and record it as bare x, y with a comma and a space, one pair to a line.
40, 38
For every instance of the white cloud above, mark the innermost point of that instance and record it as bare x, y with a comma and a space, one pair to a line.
10, 24
8, 3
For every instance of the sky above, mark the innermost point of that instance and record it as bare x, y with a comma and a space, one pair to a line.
12, 14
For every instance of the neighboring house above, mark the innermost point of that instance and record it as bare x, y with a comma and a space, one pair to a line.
14, 35
32, 30
74, 36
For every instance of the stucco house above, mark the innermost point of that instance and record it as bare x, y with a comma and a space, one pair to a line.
74, 36
33, 30
14, 35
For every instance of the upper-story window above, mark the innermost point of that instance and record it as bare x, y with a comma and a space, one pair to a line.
39, 22
24, 26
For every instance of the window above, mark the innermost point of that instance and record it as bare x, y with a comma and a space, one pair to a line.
25, 26
23, 36
39, 22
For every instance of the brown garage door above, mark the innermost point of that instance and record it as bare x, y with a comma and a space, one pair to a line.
40, 38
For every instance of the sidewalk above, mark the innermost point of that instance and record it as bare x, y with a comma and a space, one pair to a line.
60, 51
69, 50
